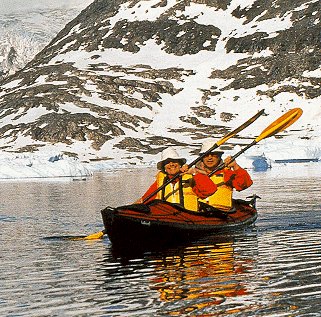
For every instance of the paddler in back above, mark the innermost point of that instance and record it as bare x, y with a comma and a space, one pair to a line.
185, 189
231, 177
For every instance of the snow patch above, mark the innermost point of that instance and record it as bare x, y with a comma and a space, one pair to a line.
20, 166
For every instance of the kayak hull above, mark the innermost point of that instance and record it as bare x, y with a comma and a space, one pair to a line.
162, 221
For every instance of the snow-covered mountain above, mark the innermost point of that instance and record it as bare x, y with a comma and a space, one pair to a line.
125, 79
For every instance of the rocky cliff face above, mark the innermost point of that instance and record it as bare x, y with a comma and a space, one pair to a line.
131, 77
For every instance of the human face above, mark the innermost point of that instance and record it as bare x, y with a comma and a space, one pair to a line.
172, 167
211, 160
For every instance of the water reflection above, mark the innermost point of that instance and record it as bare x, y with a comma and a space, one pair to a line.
201, 272
193, 277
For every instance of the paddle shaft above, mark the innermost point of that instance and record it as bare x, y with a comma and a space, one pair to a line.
215, 146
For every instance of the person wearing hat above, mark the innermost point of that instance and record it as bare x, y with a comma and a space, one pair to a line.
231, 177
185, 189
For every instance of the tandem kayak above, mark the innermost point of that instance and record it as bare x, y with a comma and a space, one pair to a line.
163, 221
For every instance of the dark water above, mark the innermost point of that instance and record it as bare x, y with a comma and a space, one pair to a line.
270, 269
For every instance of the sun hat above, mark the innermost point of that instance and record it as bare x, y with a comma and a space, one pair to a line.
169, 154
207, 144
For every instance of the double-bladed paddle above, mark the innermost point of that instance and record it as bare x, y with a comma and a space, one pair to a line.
275, 127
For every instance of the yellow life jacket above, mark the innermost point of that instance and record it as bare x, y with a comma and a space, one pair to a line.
179, 192
222, 198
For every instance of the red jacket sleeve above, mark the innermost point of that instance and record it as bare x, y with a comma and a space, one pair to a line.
150, 190
239, 179
204, 186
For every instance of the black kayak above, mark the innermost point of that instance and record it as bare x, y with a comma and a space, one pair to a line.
162, 221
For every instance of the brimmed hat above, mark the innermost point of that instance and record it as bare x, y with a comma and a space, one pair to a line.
169, 154
208, 144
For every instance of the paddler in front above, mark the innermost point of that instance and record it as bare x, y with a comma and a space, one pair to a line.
185, 190
231, 177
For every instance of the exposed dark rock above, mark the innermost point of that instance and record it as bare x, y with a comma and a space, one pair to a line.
133, 145
203, 111
227, 116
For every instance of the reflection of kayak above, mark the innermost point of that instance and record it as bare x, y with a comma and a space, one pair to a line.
212, 268
164, 221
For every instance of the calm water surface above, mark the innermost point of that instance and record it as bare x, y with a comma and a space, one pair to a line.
270, 269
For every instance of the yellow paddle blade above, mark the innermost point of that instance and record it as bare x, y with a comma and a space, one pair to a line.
95, 236
239, 129
280, 124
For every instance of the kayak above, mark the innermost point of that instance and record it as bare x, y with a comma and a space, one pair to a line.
163, 221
